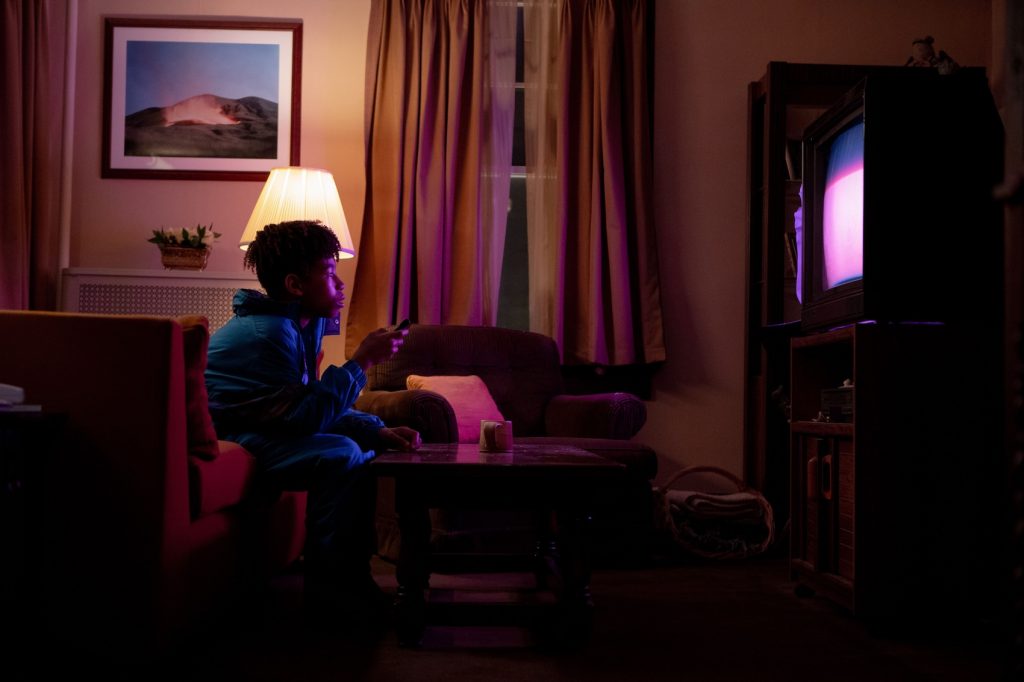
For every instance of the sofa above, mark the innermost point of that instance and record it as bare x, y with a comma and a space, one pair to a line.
150, 525
521, 373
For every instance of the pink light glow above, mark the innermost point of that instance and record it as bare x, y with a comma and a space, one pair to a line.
843, 238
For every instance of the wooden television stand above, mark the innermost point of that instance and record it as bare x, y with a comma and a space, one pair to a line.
893, 511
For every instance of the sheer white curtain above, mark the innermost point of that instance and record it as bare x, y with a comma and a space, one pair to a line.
440, 89
593, 266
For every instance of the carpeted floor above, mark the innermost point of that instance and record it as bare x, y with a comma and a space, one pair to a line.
668, 621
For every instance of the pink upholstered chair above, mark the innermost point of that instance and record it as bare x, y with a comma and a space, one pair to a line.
150, 524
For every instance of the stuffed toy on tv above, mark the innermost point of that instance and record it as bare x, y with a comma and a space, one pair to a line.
923, 54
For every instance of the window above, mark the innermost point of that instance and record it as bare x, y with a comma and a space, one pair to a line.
514, 291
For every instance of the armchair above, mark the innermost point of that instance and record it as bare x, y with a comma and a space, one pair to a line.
148, 527
522, 373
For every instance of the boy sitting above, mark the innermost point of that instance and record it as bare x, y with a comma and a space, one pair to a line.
265, 395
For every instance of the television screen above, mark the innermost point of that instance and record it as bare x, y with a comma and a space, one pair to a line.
842, 211
798, 228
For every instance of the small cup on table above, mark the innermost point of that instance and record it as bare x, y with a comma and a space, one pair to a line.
495, 436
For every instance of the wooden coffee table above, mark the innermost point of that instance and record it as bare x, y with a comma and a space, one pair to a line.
561, 485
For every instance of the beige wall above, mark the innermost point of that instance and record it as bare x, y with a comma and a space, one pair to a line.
706, 51
111, 219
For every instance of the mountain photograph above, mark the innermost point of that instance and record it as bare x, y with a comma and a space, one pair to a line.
204, 126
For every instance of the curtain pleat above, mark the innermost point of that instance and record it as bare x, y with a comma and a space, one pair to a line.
440, 106
594, 283
31, 130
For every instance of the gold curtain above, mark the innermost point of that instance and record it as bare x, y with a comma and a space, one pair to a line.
31, 136
594, 284
439, 116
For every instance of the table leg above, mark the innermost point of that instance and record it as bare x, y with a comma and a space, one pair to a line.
413, 570
545, 556
576, 606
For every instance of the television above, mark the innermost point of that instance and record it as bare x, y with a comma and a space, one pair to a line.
898, 219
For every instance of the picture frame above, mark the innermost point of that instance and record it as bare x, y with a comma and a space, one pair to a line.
201, 99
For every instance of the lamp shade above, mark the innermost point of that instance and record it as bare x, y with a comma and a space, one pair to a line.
296, 193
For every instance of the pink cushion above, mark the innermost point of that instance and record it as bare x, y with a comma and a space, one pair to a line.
468, 396
221, 482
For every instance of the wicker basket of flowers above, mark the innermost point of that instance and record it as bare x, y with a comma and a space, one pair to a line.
185, 249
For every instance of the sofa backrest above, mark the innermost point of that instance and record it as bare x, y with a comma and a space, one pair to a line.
521, 369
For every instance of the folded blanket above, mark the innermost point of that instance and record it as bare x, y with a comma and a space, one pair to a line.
717, 525
730, 505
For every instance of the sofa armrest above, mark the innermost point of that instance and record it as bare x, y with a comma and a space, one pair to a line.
599, 415
426, 411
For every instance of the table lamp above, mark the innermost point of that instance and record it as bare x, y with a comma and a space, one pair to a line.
296, 193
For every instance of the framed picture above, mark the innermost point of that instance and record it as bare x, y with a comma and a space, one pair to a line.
201, 99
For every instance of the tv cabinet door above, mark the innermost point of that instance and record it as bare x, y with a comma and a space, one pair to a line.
823, 549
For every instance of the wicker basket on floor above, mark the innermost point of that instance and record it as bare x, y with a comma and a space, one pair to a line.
714, 532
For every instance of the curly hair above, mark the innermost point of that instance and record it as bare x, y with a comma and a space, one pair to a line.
294, 246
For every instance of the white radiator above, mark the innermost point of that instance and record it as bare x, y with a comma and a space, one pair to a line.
153, 292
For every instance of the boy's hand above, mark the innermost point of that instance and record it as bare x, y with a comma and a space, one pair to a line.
400, 438
379, 346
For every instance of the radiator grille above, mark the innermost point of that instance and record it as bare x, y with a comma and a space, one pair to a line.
137, 299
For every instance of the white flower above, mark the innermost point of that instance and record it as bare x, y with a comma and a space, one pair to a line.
198, 237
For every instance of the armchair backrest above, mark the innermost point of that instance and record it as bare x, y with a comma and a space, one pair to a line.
521, 369
117, 487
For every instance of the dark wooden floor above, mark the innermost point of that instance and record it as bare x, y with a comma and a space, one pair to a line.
667, 621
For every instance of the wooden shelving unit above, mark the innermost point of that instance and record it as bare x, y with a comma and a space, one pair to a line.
780, 105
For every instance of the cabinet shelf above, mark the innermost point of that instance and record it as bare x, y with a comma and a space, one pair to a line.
823, 428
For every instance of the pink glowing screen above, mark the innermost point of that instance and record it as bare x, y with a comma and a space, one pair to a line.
842, 232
